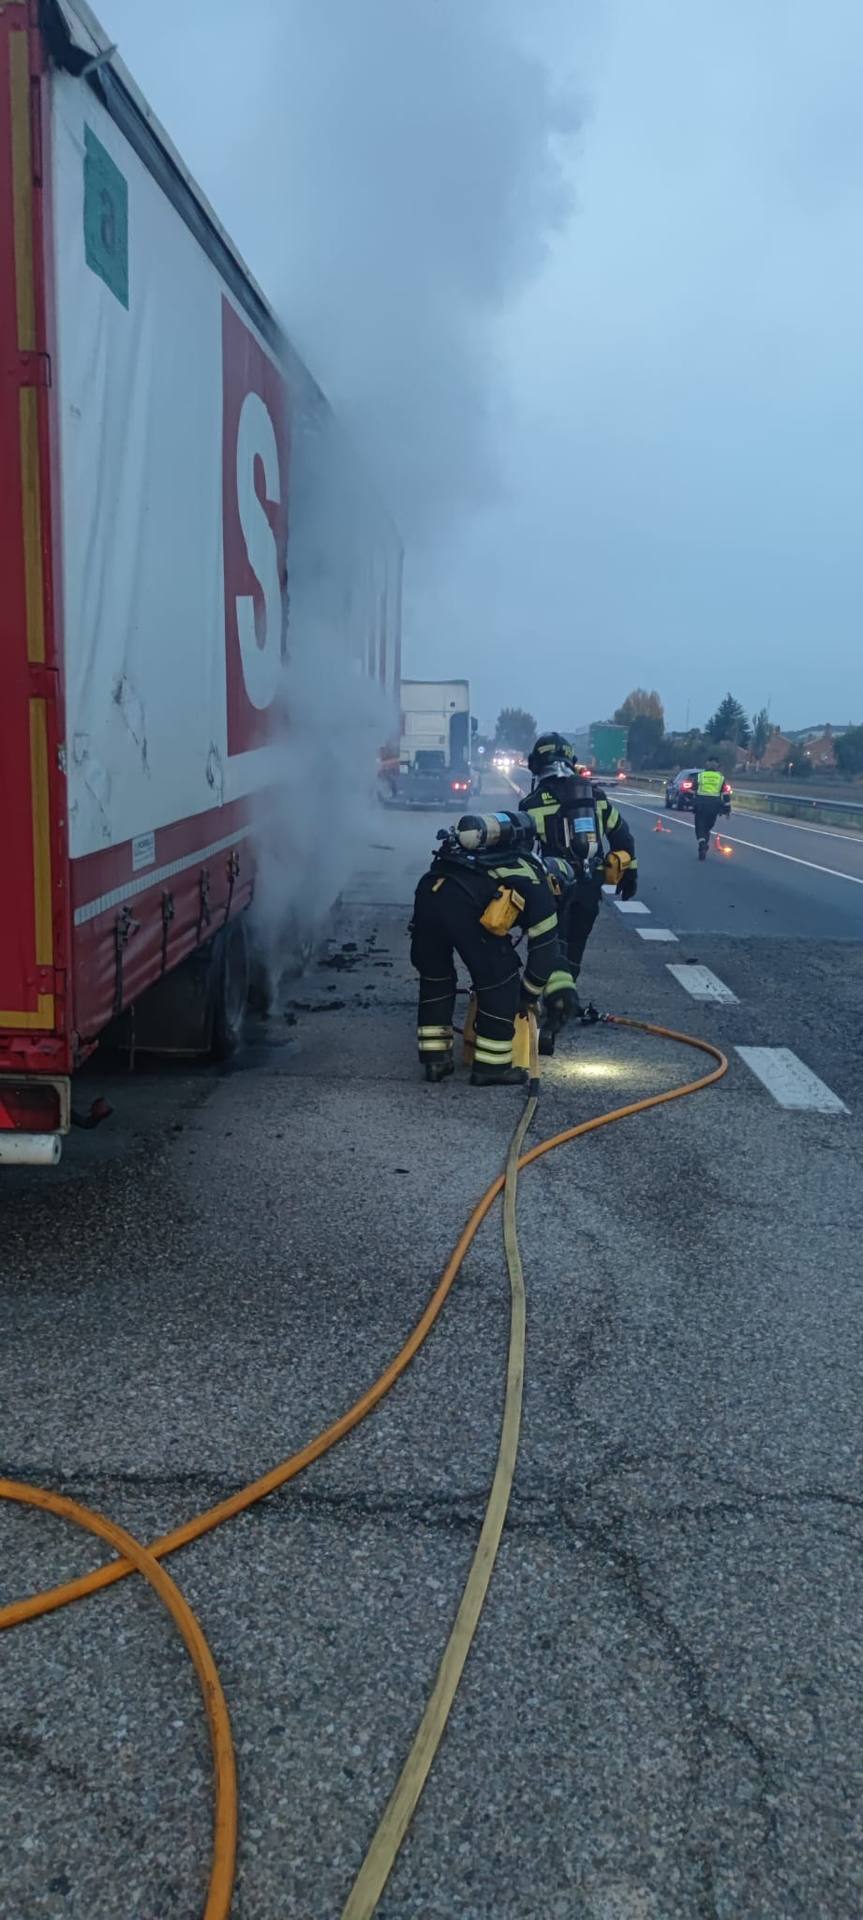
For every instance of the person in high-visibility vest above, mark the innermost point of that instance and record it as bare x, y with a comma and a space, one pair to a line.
707, 802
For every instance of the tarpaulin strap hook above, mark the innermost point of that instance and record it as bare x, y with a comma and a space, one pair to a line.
167, 917
204, 914
233, 866
124, 927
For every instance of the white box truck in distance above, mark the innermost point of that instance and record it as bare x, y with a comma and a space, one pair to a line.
435, 743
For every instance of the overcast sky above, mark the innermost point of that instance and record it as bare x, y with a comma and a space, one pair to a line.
586, 279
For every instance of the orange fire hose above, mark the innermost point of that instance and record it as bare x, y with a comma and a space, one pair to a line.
140, 1560
136, 1558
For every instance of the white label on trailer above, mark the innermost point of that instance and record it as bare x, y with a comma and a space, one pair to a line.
143, 851
655, 933
702, 984
631, 906
792, 1084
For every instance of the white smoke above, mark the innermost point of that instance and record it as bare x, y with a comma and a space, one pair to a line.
321, 810
418, 143
314, 834
393, 171
415, 143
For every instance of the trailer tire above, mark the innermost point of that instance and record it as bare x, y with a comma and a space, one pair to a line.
231, 989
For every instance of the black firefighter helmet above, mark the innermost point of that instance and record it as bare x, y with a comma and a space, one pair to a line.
547, 750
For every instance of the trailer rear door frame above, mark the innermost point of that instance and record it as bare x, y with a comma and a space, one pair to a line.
33, 862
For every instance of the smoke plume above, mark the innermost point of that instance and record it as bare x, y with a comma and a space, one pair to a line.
393, 171
418, 144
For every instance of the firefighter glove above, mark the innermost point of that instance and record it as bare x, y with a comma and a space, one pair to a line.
627, 886
558, 1007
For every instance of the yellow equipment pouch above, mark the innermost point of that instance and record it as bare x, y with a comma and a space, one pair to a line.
615, 863
502, 912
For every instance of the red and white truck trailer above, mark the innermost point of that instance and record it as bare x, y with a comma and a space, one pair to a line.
158, 437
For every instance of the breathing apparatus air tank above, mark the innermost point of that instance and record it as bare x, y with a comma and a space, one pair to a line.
581, 817
497, 832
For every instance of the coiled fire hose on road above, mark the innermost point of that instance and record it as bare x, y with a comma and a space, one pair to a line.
379, 1860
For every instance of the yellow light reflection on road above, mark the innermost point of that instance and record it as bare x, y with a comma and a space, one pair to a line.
599, 1069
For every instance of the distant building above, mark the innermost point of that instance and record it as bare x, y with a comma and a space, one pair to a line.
820, 751
776, 752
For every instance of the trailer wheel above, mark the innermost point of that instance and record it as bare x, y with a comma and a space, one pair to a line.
231, 990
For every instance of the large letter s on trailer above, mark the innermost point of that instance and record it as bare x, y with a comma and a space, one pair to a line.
255, 528
261, 655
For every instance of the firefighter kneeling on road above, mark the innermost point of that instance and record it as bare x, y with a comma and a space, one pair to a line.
484, 883
575, 820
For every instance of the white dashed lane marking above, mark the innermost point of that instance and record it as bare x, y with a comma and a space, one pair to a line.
702, 984
796, 859
792, 1084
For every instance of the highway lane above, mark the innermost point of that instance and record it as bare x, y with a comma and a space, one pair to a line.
663, 1713
782, 881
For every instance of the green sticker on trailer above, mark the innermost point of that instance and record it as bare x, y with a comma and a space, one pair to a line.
106, 218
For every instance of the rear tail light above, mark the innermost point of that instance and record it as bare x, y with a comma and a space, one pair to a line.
686, 786
31, 1106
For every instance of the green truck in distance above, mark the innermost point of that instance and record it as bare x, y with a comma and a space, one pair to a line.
608, 748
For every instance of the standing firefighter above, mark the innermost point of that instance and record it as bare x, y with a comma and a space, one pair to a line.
707, 802
484, 883
575, 820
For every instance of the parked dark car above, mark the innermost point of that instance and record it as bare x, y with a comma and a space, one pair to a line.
680, 792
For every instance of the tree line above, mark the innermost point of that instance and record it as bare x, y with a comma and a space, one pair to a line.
724, 733
728, 730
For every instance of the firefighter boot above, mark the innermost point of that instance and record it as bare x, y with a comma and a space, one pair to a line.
439, 1068
499, 1077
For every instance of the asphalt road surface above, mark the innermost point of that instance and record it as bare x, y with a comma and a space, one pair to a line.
782, 879
662, 1713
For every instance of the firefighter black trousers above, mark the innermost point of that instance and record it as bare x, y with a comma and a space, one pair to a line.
446, 921
707, 811
581, 913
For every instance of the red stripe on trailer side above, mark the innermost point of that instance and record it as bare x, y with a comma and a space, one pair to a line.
203, 864
96, 949
113, 869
